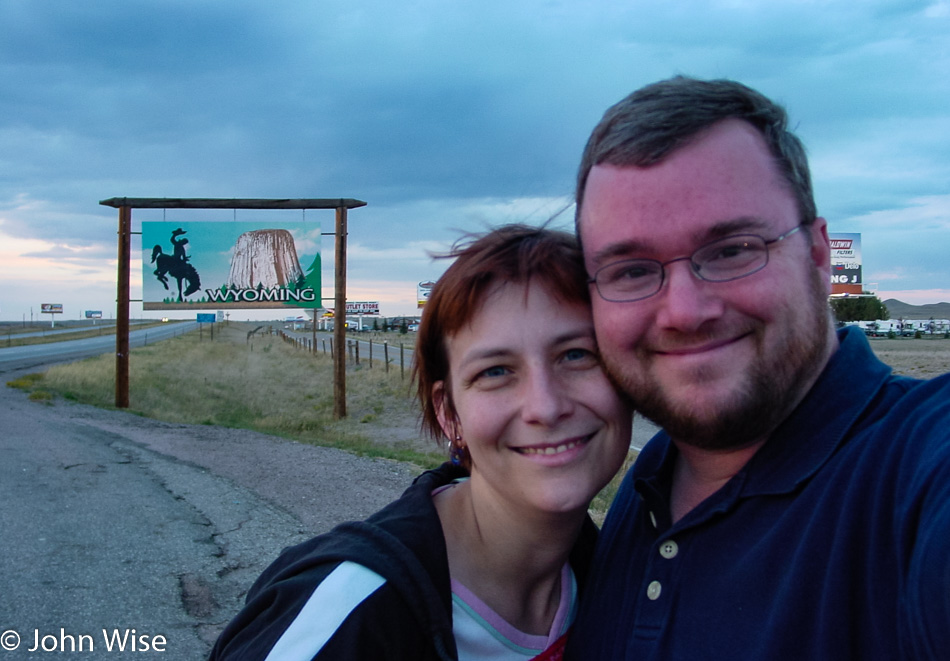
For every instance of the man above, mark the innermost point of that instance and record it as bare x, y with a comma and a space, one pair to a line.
179, 245
797, 503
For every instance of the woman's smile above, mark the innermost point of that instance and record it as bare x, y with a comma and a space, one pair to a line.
556, 448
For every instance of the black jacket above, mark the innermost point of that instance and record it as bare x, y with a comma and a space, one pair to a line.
409, 616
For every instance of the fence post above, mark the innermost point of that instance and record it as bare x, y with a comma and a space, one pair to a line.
386, 355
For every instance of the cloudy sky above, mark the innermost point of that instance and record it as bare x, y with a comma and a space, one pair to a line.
443, 116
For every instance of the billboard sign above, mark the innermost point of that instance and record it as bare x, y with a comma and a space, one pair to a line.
846, 263
230, 265
365, 307
51, 308
206, 317
423, 291
93, 314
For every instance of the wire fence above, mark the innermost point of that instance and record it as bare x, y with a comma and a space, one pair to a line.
376, 353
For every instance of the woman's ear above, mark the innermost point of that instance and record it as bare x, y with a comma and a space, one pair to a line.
443, 410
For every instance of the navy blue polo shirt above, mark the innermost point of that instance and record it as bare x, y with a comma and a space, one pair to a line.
833, 542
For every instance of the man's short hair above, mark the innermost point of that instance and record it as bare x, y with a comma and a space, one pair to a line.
656, 120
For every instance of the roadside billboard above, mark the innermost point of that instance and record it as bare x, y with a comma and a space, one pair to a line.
846, 263
51, 308
364, 307
423, 291
93, 314
230, 265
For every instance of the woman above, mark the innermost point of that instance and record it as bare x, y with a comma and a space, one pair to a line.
480, 558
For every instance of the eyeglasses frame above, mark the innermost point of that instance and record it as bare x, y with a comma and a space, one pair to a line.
694, 268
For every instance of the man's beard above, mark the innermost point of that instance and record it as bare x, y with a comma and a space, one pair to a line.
775, 382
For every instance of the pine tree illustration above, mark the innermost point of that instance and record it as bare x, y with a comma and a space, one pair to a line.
313, 281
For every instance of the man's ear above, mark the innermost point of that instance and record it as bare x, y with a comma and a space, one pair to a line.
443, 410
821, 250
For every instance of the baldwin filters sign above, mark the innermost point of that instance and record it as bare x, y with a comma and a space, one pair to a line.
845, 263
221, 265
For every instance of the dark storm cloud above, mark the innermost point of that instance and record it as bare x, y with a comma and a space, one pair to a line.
442, 116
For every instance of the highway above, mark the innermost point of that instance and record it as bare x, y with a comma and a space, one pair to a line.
40, 355
13, 330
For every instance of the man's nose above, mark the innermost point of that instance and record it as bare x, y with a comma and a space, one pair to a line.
686, 301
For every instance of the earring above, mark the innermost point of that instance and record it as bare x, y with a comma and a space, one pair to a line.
457, 451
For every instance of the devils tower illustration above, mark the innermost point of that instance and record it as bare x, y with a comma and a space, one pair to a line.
265, 258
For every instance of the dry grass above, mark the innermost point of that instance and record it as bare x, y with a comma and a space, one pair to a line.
923, 359
262, 383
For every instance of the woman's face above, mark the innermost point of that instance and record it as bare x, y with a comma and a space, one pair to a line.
544, 427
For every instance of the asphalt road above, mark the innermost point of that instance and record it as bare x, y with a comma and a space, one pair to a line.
39, 355
112, 522
12, 330
9, 330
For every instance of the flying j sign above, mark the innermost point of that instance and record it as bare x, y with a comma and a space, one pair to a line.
845, 263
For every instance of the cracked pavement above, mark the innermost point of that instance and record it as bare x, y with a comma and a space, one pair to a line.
111, 520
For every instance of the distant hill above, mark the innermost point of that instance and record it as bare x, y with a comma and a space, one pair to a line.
900, 310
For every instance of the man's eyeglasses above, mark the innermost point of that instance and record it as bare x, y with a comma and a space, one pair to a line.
722, 260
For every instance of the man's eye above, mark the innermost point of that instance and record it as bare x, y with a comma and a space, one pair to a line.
630, 272
729, 251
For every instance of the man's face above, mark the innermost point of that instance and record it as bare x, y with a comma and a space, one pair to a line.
718, 364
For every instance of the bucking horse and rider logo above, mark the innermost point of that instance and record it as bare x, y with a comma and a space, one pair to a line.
176, 265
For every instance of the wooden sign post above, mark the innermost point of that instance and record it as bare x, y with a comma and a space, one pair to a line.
125, 206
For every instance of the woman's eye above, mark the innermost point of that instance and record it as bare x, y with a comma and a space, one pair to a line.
495, 371
576, 354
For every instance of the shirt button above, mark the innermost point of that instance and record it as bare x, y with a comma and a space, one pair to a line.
653, 590
669, 549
